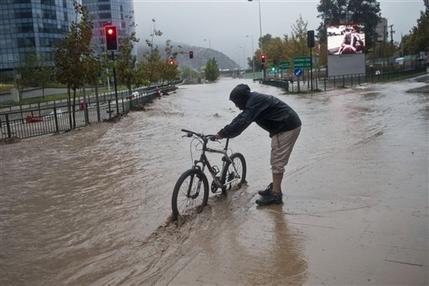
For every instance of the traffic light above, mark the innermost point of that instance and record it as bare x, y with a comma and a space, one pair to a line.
171, 61
310, 39
273, 68
263, 58
111, 37
191, 54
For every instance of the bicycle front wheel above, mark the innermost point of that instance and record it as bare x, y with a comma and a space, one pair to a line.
234, 173
190, 193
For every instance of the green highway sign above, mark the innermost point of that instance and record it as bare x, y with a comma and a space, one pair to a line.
302, 62
283, 65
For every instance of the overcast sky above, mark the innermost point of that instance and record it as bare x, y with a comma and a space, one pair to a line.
224, 24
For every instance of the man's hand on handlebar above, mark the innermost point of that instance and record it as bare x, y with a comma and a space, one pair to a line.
214, 137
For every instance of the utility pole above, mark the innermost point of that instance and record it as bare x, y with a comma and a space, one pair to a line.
383, 49
253, 56
391, 33
260, 38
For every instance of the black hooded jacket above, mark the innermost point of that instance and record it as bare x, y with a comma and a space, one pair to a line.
269, 112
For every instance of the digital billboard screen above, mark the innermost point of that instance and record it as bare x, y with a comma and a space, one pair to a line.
346, 39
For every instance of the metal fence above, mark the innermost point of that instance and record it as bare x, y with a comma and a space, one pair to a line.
53, 117
322, 82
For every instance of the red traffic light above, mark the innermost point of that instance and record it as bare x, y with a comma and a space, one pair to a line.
171, 61
111, 37
263, 58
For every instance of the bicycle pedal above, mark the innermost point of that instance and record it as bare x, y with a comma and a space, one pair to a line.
214, 187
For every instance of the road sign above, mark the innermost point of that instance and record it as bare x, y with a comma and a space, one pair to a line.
302, 62
297, 72
284, 65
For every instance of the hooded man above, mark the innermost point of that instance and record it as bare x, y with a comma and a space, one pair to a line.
276, 117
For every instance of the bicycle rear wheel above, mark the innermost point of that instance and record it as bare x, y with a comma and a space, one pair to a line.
190, 193
234, 173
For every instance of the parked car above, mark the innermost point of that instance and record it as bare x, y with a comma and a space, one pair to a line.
135, 94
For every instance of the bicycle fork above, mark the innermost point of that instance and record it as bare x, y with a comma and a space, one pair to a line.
197, 192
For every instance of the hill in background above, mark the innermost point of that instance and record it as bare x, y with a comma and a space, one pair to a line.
201, 56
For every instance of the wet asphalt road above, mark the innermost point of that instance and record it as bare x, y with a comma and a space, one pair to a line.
91, 207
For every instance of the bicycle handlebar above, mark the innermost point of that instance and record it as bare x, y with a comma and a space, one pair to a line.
204, 137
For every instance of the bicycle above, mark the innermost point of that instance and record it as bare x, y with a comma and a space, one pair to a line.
192, 186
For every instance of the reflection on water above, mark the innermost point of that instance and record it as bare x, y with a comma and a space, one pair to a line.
76, 208
276, 249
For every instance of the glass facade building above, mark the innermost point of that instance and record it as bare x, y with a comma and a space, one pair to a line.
32, 26
116, 12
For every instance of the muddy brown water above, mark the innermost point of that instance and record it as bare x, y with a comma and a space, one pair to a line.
91, 207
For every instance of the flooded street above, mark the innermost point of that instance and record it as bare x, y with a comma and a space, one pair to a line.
91, 207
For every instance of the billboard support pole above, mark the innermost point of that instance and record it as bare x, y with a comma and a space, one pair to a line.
311, 68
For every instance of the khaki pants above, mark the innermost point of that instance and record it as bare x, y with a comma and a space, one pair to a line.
281, 148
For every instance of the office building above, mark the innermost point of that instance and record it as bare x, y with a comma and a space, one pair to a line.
116, 12
32, 26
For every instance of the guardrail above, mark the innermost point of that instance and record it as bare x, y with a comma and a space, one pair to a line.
54, 117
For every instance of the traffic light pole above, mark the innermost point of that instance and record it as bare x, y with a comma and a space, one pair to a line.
263, 72
311, 68
116, 87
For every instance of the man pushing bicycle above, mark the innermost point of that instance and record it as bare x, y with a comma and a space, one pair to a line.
276, 117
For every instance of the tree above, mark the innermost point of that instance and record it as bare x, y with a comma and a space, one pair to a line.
283, 49
169, 71
126, 62
25, 72
106, 63
264, 41
33, 73
298, 41
212, 70
149, 70
189, 74
418, 39
335, 12
152, 68
42, 75
73, 55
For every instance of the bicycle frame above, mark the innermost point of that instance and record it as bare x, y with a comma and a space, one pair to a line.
195, 180
205, 162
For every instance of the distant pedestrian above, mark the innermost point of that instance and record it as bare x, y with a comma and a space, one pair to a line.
276, 117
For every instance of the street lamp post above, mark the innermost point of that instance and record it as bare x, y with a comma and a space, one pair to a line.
253, 55
244, 57
153, 33
260, 35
